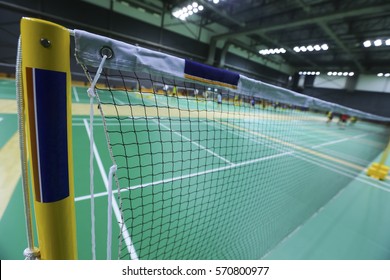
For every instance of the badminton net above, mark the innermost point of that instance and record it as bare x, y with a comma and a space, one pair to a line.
212, 164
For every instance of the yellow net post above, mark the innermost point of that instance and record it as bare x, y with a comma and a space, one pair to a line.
47, 107
380, 170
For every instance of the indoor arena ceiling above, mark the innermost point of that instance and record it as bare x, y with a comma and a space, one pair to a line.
312, 35
299, 29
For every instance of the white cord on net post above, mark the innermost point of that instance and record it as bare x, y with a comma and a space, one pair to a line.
91, 94
109, 210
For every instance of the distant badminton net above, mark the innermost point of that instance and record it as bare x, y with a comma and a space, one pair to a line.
211, 164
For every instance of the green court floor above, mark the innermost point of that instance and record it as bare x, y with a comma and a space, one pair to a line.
350, 224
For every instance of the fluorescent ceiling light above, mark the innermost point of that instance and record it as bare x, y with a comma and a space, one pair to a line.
367, 43
378, 42
324, 47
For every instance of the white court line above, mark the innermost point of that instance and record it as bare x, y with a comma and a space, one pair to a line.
311, 160
120, 102
234, 165
322, 164
338, 170
338, 154
108, 123
76, 95
364, 180
126, 235
292, 153
343, 156
193, 142
338, 141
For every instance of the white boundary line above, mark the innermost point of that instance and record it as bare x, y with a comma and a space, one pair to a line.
312, 160
193, 142
339, 141
76, 95
126, 235
85, 197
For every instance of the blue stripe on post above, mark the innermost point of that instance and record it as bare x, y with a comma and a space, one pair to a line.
52, 135
210, 73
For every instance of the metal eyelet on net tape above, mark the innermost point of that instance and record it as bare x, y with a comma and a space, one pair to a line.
107, 51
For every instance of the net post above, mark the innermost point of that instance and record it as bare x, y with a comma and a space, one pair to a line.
47, 107
380, 170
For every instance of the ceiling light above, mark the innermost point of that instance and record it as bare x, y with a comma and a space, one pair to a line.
351, 74
367, 43
272, 51
387, 75
345, 74
187, 10
329, 73
311, 48
339, 73
215, 1
378, 42
387, 42
309, 73
334, 73
380, 74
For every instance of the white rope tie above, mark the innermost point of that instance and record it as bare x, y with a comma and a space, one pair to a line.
109, 210
92, 94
